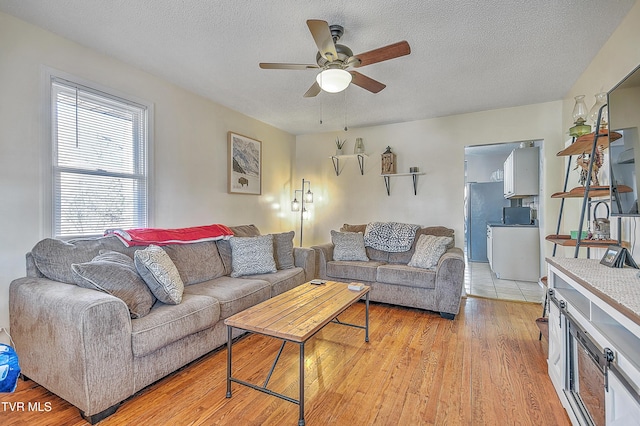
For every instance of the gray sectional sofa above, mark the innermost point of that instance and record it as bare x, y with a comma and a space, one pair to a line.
83, 344
393, 281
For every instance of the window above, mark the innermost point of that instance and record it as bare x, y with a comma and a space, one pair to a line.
99, 161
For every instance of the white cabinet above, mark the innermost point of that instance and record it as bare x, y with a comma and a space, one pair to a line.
600, 301
489, 247
521, 176
514, 252
556, 344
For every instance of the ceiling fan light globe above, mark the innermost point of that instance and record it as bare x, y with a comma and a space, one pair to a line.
334, 80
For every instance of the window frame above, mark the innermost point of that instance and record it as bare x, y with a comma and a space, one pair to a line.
48, 159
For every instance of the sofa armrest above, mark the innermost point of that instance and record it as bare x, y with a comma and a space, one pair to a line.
449, 281
73, 341
305, 258
324, 253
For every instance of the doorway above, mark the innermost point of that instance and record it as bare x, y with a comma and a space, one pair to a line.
483, 205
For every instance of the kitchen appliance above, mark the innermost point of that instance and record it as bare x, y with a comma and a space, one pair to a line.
516, 215
483, 205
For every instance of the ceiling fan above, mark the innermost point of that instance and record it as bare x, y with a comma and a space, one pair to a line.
335, 60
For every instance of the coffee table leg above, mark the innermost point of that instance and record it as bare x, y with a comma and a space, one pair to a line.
230, 333
301, 420
366, 318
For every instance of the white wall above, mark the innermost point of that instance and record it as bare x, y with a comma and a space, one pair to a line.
617, 58
436, 146
190, 147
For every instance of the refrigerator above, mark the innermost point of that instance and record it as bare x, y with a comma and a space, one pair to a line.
483, 204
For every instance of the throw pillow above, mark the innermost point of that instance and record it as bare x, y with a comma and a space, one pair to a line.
252, 255
224, 247
115, 273
161, 275
348, 246
283, 250
429, 249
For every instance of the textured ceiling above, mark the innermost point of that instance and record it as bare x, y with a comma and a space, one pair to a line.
466, 55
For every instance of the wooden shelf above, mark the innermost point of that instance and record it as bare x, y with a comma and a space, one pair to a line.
567, 241
594, 192
585, 142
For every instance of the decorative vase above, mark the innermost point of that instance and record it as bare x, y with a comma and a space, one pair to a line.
338, 151
601, 99
358, 148
579, 118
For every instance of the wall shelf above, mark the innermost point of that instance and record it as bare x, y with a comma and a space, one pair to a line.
335, 159
594, 192
387, 180
585, 142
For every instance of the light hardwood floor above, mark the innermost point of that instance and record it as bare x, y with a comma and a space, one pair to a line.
487, 367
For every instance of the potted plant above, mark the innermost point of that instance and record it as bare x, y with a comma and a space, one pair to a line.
340, 145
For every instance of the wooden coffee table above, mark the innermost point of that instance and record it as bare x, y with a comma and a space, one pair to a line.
295, 316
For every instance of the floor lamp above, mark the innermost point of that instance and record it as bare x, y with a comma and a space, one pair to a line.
299, 206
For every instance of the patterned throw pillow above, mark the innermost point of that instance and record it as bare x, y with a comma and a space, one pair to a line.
161, 275
348, 246
429, 249
252, 255
283, 250
115, 273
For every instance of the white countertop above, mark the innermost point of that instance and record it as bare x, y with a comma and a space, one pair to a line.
619, 286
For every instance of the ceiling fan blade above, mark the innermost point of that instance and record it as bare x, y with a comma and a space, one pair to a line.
313, 90
365, 82
322, 36
277, 66
384, 53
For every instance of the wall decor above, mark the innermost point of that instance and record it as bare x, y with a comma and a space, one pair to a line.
388, 162
244, 167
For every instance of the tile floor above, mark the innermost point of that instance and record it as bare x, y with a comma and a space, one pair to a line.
479, 280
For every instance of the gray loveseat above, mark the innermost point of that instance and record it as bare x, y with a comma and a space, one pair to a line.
84, 346
393, 281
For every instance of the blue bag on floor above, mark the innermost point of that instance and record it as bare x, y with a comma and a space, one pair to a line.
9, 368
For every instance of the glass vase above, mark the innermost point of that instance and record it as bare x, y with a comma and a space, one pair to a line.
601, 99
358, 148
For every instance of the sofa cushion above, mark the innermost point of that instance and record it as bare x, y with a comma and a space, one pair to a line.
252, 255
114, 273
196, 262
348, 246
161, 275
166, 324
353, 228
283, 250
224, 247
54, 257
406, 275
438, 231
428, 251
352, 270
283, 280
233, 294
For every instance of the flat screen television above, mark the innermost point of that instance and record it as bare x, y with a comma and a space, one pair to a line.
624, 118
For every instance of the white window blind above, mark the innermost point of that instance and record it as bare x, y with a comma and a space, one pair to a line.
99, 161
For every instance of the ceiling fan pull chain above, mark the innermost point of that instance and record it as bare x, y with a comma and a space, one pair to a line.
345, 111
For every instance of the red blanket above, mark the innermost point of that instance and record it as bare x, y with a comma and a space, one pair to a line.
146, 236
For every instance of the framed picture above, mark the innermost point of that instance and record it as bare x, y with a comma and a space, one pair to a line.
611, 256
245, 165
